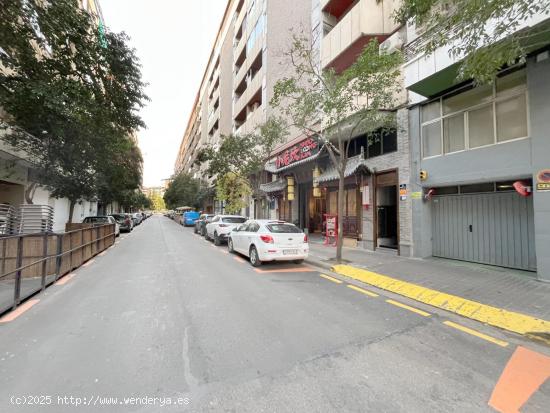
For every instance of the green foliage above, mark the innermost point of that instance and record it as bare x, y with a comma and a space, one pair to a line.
134, 199
71, 98
184, 190
157, 202
243, 155
462, 24
233, 189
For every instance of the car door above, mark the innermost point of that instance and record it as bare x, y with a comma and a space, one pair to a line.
250, 236
237, 237
212, 225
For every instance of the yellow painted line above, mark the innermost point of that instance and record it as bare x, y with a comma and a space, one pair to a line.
361, 290
408, 307
476, 333
498, 317
334, 280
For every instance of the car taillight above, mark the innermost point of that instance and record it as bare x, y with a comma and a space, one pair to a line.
127, 221
268, 239
305, 238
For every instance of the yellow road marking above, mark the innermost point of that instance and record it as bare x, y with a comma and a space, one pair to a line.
334, 280
498, 317
476, 333
353, 287
408, 307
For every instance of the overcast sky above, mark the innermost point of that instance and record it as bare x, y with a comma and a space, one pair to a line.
173, 39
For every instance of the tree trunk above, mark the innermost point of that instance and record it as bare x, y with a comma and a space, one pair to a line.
71, 210
341, 199
29, 192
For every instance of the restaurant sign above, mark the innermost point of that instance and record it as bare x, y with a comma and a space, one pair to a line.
302, 150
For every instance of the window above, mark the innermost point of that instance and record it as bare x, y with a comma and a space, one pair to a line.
233, 220
381, 143
431, 139
283, 228
471, 189
253, 227
476, 117
453, 133
511, 118
256, 33
480, 126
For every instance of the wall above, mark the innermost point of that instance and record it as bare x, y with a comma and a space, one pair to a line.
400, 160
538, 82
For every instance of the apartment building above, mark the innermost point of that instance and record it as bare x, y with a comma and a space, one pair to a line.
17, 176
244, 65
481, 158
378, 209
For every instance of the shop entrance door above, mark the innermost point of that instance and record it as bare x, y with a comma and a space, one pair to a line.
387, 211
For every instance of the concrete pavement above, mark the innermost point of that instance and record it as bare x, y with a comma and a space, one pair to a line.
164, 314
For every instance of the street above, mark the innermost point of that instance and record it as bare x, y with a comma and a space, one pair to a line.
165, 314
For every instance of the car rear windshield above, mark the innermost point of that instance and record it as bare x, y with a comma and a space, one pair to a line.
119, 216
98, 220
283, 228
233, 220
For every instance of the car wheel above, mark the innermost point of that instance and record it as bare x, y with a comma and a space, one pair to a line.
230, 245
298, 261
217, 241
254, 259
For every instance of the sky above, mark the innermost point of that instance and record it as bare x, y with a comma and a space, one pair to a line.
173, 40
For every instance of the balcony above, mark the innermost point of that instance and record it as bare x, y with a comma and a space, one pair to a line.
240, 74
354, 28
255, 118
239, 51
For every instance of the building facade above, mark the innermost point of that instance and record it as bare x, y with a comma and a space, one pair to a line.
244, 65
481, 160
377, 208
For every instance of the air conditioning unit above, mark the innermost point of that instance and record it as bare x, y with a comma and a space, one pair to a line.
392, 44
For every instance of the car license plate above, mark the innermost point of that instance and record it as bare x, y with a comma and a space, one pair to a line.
290, 252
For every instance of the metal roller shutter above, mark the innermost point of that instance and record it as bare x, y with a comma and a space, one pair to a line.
492, 228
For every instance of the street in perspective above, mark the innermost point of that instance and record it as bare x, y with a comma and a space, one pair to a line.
275, 206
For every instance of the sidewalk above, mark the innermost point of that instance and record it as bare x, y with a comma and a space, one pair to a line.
503, 288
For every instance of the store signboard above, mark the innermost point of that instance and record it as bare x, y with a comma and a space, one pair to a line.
302, 150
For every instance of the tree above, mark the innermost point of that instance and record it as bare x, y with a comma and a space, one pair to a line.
238, 158
157, 202
71, 96
336, 107
233, 189
463, 25
182, 191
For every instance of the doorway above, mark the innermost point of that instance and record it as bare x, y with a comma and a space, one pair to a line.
387, 211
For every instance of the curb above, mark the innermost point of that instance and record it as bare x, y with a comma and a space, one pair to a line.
498, 317
318, 263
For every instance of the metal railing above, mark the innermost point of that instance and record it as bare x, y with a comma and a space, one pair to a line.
31, 262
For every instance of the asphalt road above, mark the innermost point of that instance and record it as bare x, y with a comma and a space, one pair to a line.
167, 318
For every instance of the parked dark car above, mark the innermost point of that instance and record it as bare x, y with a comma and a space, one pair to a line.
200, 224
125, 221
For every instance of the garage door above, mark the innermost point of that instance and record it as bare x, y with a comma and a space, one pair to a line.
493, 228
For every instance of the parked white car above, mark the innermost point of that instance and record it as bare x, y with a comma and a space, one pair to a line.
221, 225
268, 240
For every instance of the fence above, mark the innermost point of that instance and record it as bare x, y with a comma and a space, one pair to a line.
31, 262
